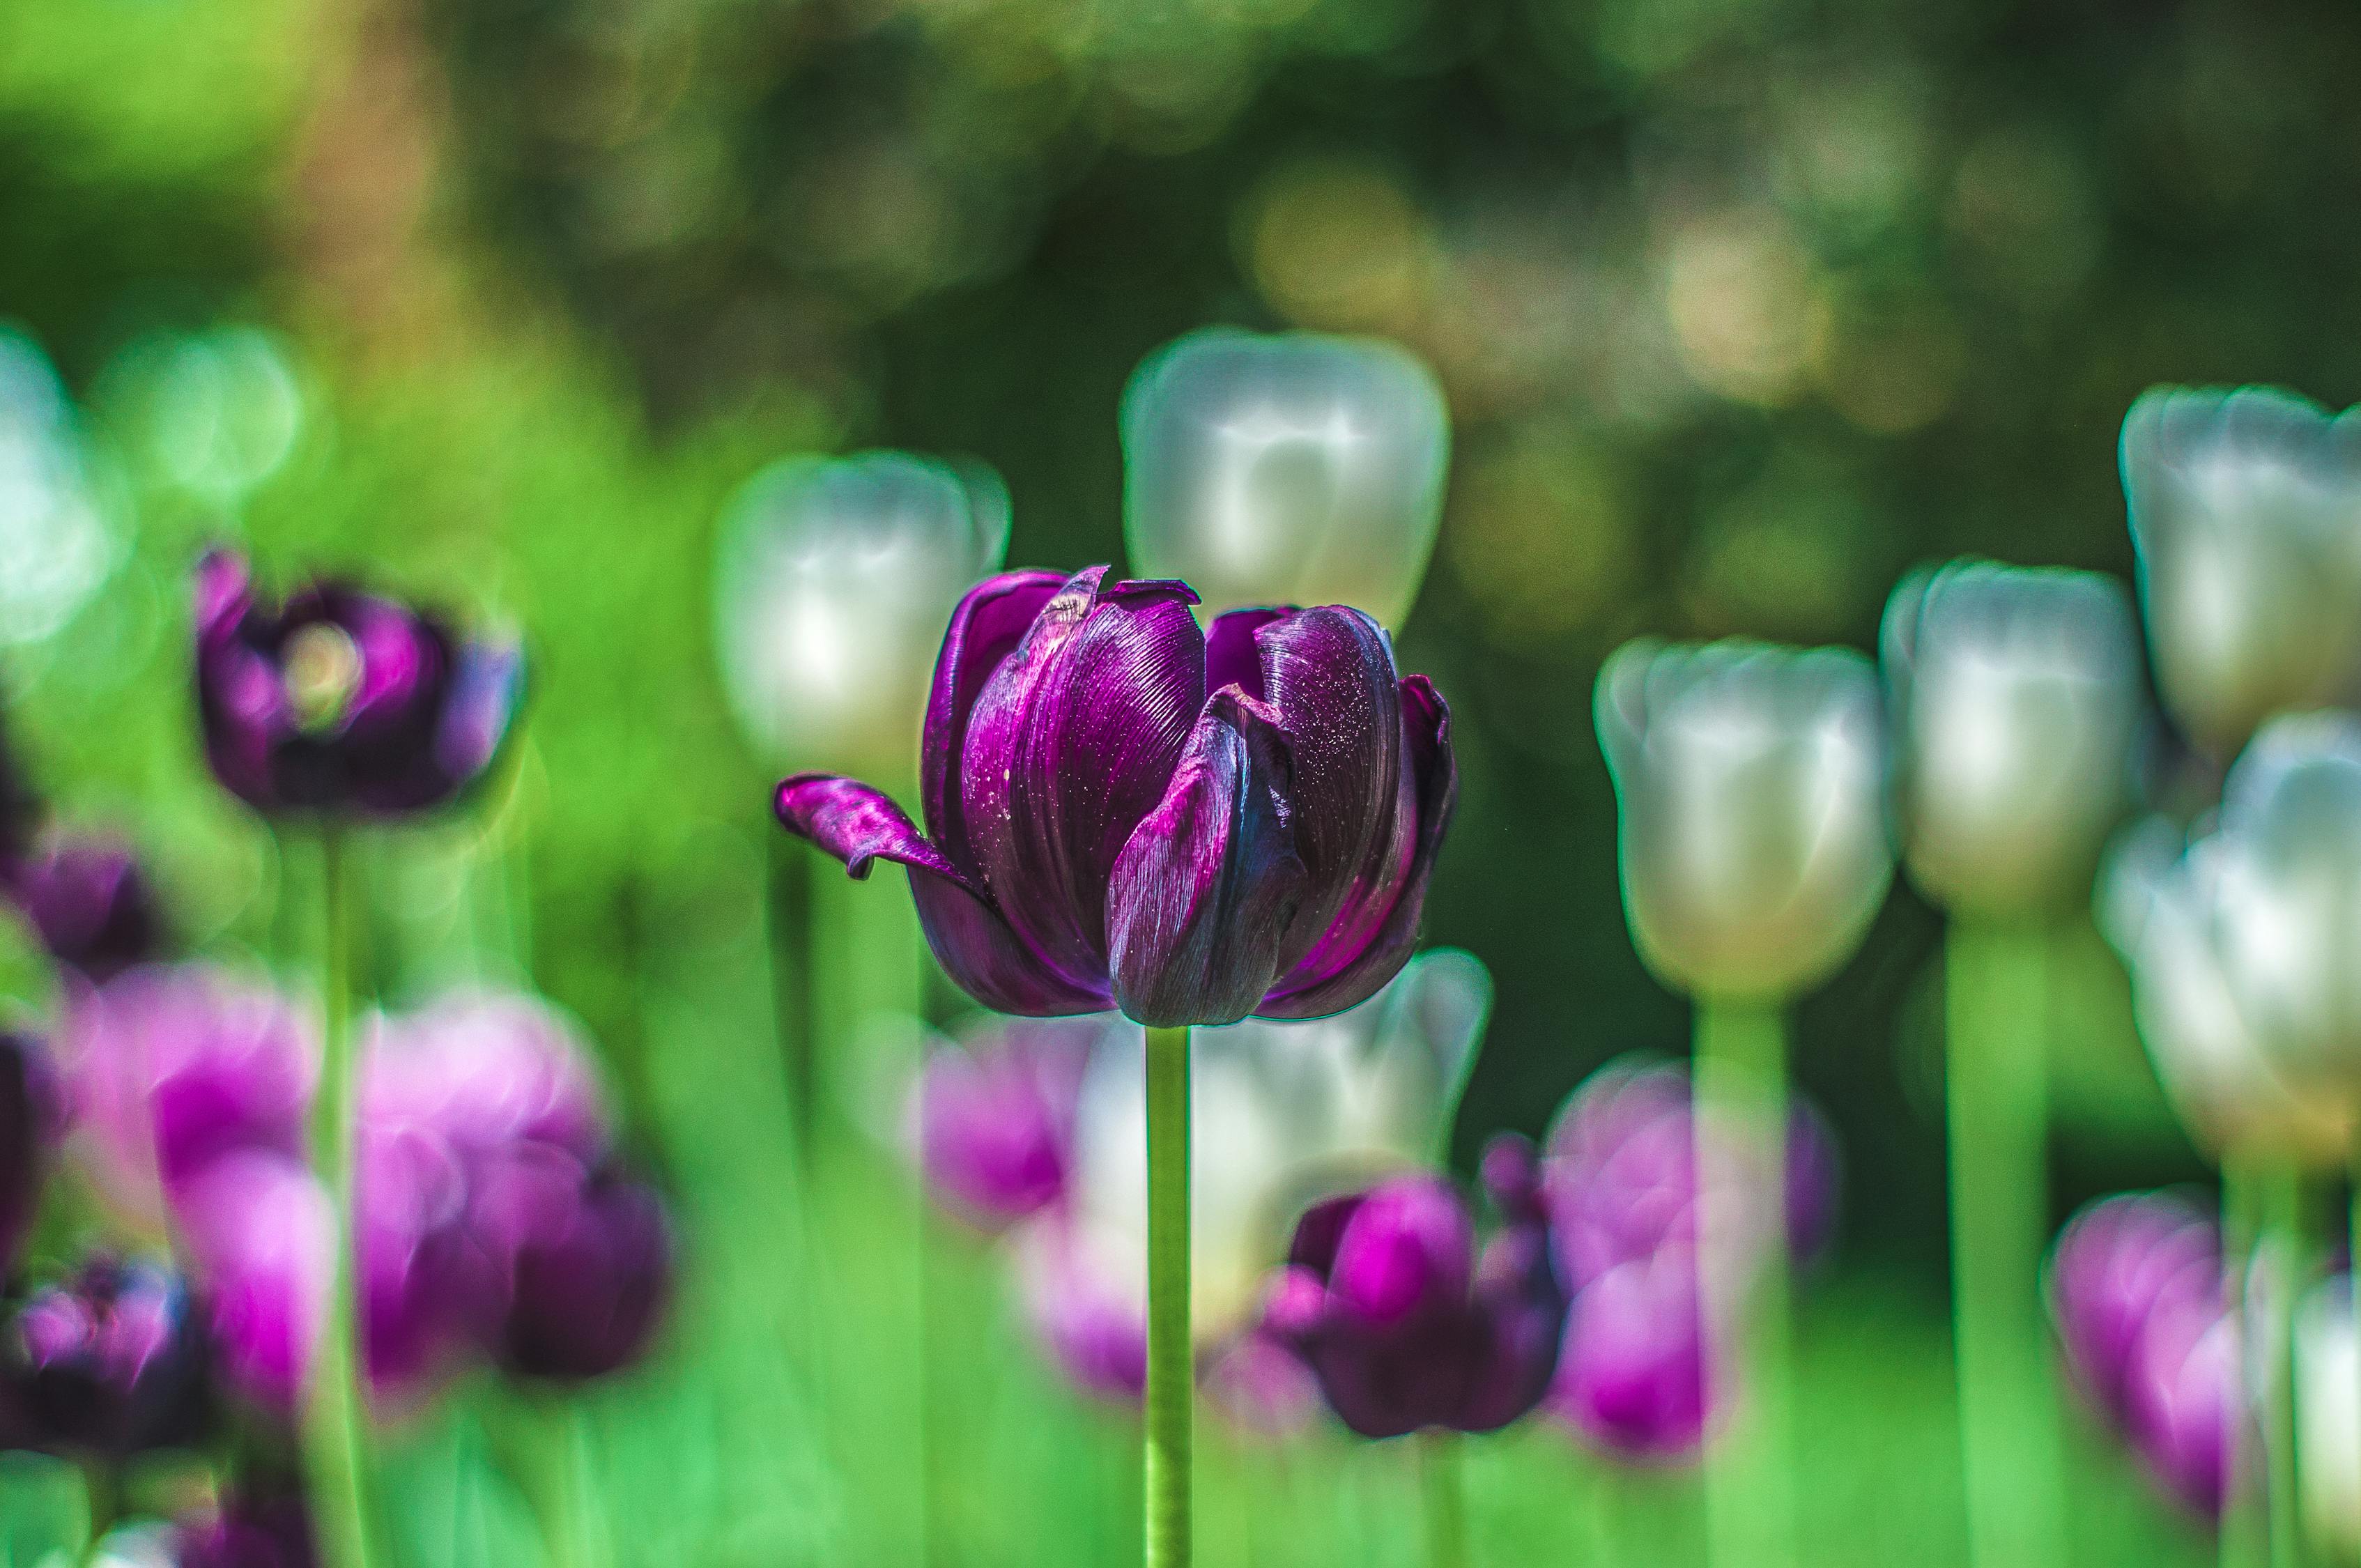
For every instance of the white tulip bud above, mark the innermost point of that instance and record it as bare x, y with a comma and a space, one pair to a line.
1752, 785
1289, 469
2015, 696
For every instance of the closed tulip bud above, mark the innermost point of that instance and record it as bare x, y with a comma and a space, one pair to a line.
340, 703
588, 1277
2246, 512
1404, 1324
1124, 810
110, 1363
89, 905
2160, 905
1750, 782
2284, 869
2015, 696
1289, 469
834, 580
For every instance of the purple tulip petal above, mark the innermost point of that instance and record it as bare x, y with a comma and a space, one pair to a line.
1521, 1308
1343, 968
985, 628
1071, 745
984, 956
1408, 1250
1210, 877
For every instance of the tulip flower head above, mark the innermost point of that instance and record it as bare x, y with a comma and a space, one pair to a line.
1296, 468
994, 1118
2160, 905
1404, 1324
1124, 810
338, 703
834, 580
590, 1265
2245, 514
110, 1362
1632, 1376
1753, 830
89, 905
2137, 1290
2015, 697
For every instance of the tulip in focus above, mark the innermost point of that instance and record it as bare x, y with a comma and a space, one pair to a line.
2015, 696
1750, 780
2245, 514
834, 581
1405, 1323
338, 703
89, 903
1124, 810
109, 1363
1297, 468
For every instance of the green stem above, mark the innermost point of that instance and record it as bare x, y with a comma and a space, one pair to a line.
2289, 1249
1742, 1090
102, 1484
332, 1425
1171, 1383
1447, 1501
1996, 1101
2243, 1538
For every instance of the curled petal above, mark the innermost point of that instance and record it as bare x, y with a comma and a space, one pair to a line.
1210, 877
1349, 965
976, 945
985, 628
1071, 742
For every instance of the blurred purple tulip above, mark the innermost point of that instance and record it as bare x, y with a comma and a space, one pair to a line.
253, 1526
110, 1362
341, 703
258, 1233
1632, 1377
169, 1069
88, 901
2138, 1292
589, 1275
1404, 1324
1124, 810
30, 1118
994, 1118
1095, 1333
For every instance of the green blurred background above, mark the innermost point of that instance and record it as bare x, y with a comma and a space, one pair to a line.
1743, 308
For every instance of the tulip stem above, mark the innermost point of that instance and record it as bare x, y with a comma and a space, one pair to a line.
1996, 1105
332, 1425
2244, 1536
1171, 1383
1446, 1500
2290, 1262
1741, 1132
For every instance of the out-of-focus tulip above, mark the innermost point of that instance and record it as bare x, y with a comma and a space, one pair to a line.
1404, 1324
57, 545
2137, 1291
589, 1274
2284, 869
1124, 810
259, 1233
994, 1118
834, 581
169, 1069
345, 704
1631, 1376
89, 903
254, 1526
2328, 1417
2015, 697
2246, 512
1750, 780
1289, 469
30, 1115
2159, 905
110, 1362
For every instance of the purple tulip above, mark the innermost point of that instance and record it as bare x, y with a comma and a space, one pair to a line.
89, 905
1631, 1377
169, 1069
341, 703
1123, 810
995, 1120
109, 1363
2186, 1402
259, 1236
30, 1114
1404, 1325
589, 1273
253, 1526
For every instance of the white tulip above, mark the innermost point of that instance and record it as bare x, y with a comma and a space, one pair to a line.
1283, 1115
2157, 906
836, 578
1753, 838
2246, 512
2286, 873
2328, 1418
58, 546
2013, 695
1289, 469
